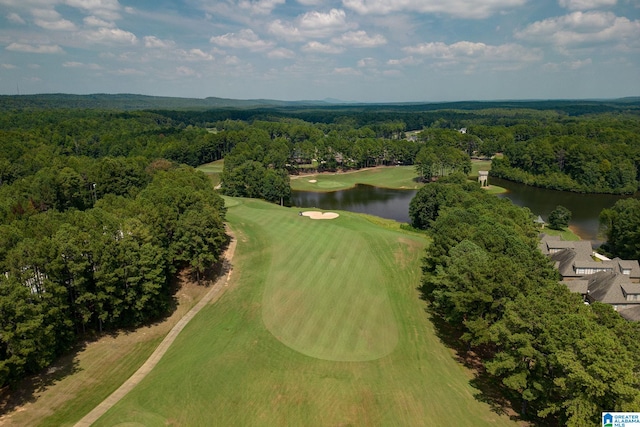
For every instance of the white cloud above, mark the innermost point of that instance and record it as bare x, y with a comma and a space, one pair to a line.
28, 48
360, 39
312, 25
193, 55
8, 66
128, 72
74, 64
346, 71
409, 60
367, 62
49, 19
15, 18
315, 46
469, 9
586, 4
467, 49
154, 42
579, 28
245, 39
109, 35
107, 9
183, 71
232, 60
261, 7
320, 21
281, 53
93, 21
567, 65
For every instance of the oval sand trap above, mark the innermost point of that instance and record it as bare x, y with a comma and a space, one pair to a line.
313, 181
320, 215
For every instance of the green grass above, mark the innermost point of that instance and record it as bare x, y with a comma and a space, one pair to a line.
401, 177
566, 234
321, 326
108, 381
213, 170
479, 165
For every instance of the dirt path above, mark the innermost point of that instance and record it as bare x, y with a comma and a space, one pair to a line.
216, 291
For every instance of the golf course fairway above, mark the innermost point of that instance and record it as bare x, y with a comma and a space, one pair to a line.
321, 325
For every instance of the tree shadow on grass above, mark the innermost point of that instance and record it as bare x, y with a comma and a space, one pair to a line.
489, 389
27, 389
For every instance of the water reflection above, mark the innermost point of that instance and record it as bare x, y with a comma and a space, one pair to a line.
394, 204
382, 202
585, 208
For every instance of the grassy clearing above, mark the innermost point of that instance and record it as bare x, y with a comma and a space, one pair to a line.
305, 335
479, 165
401, 177
79, 381
213, 170
566, 234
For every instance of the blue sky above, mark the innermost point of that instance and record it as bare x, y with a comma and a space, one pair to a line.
354, 50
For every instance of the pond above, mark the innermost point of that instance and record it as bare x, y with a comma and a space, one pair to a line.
382, 202
394, 204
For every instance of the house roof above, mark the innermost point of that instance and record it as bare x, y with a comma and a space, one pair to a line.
631, 288
632, 265
539, 220
578, 286
631, 313
607, 287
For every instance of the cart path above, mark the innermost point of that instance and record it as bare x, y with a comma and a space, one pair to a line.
216, 291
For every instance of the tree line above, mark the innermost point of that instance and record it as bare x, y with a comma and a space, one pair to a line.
559, 361
91, 241
593, 156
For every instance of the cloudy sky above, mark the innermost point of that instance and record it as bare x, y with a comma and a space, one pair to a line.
354, 50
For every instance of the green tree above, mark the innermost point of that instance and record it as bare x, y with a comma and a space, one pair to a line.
276, 187
621, 224
559, 218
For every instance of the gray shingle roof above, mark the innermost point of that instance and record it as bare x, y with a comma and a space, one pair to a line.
578, 286
607, 288
631, 313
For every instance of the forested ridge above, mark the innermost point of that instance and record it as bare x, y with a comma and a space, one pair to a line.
559, 361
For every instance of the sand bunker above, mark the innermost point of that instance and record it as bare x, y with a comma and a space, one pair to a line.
320, 215
313, 181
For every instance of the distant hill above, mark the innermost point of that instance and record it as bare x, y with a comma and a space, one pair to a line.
144, 102
139, 102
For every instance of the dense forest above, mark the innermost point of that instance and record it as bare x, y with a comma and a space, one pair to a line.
90, 238
561, 362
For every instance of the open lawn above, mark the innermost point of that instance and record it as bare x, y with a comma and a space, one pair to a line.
566, 234
213, 170
402, 177
321, 325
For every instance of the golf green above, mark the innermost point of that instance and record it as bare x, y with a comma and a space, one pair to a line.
326, 295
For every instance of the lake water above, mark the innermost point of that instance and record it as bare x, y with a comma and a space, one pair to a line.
382, 202
394, 204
